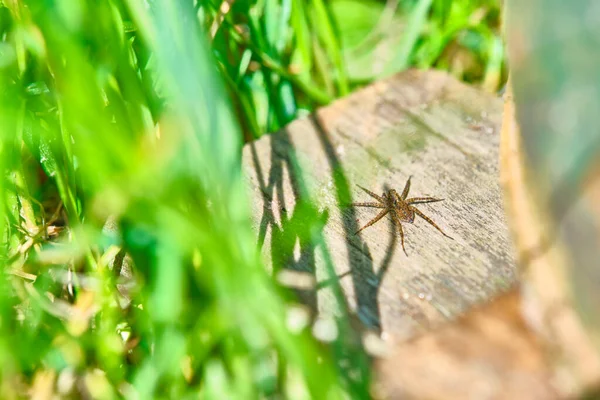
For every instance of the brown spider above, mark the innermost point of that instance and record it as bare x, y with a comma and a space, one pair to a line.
401, 208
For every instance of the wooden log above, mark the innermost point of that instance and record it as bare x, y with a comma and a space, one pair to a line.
424, 124
501, 340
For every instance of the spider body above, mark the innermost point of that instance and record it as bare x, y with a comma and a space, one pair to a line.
400, 207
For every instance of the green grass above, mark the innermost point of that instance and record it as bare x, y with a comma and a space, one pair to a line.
283, 58
114, 109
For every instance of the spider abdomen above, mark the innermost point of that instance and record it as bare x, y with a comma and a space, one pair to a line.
405, 214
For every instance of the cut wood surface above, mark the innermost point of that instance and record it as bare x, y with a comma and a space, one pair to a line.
425, 124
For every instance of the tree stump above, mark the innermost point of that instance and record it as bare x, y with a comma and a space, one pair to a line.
425, 124
497, 344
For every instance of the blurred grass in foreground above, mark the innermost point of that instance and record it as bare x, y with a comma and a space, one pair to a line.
115, 109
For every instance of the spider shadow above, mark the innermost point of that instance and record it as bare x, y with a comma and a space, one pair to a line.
366, 281
390, 250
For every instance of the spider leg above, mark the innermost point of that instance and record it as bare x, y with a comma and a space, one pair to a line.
374, 205
422, 200
377, 218
426, 218
406, 188
399, 224
378, 198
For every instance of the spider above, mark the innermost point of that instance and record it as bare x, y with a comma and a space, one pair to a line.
401, 208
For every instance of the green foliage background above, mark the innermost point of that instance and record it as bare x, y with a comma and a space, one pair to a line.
138, 110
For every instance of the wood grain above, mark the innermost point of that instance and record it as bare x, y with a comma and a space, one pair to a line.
425, 124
